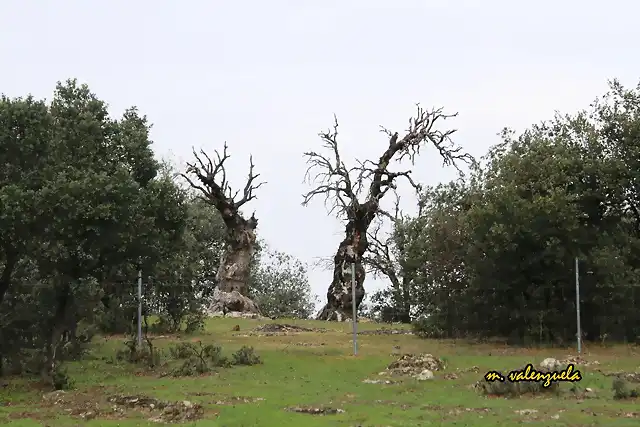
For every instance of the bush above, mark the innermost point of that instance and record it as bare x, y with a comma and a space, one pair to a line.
75, 347
197, 359
511, 389
147, 354
622, 389
423, 327
61, 380
246, 356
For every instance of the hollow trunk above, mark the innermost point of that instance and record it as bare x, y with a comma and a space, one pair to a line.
231, 293
339, 305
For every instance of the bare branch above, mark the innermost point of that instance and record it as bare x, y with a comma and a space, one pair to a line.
378, 259
213, 185
323, 263
330, 174
340, 190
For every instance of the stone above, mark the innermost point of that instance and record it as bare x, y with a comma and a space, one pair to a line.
551, 364
230, 302
424, 375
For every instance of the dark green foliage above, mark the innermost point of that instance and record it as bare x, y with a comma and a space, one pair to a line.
279, 284
246, 356
82, 207
493, 255
425, 327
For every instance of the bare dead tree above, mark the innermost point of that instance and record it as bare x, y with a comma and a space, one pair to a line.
343, 187
213, 188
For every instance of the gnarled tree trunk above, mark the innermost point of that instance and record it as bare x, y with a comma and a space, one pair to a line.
233, 274
339, 305
232, 291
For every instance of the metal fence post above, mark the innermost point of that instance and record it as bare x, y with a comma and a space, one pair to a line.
578, 307
139, 308
355, 309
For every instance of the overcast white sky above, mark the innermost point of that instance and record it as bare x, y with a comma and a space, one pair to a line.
267, 76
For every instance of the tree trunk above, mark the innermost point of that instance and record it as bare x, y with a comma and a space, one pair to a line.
10, 262
60, 323
404, 316
339, 305
233, 274
231, 293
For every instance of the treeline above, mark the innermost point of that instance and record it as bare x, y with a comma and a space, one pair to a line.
85, 205
493, 254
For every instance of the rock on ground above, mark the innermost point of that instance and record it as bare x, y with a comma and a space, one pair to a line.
227, 302
420, 366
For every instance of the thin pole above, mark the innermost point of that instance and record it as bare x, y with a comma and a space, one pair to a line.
139, 308
578, 307
353, 305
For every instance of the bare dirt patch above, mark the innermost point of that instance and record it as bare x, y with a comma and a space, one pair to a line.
158, 410
227, 400
386, 331
632, 377
277, 329
89, 406
321, 410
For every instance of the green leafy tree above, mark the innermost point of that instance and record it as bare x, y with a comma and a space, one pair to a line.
88, 209
498, 250
280, 285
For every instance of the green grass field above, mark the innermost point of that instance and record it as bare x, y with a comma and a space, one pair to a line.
317, 369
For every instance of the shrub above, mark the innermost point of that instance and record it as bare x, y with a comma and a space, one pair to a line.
622, 389
197, 359
423, 327
246, 356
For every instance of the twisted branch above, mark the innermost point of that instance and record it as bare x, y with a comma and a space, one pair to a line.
213, 185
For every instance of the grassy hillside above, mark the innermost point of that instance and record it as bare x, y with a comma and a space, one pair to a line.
316, 371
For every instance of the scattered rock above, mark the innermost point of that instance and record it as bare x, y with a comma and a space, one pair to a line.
282, 327
89, 415
234, 400
450, 376
271, 329
415, 366
551, 364
474, 369
426, 374
368, 381
310, 344
632, 377
578, 360
161, 411
526, 411
316, 410
462, 410
386, 331
55, 397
